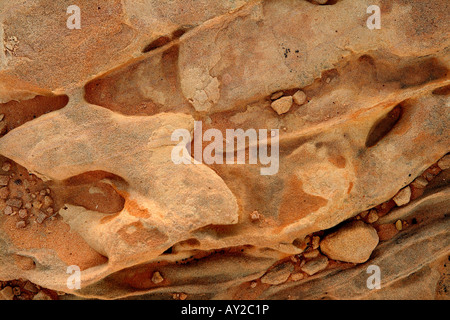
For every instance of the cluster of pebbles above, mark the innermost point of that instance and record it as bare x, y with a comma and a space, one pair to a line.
21, 289
282, 103
22, 195
314, 259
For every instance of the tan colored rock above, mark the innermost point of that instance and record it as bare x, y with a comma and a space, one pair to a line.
4, 193
299, 97
42, 296
444, 163
276, 95
315, 242
6, 293
278, 274
157, 278
311, 254
403, 196
6, 166
372, 216
419, 182
316, 265
4, 180
297, 276
99, 106
282, 105
353, 242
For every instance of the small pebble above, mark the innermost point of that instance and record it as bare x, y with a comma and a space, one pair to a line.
183, 296
278, 274
372, 216
282, 105
316, 265
403, 196
157, 278
7, 293
23, 213
398, 225
41, 216
428, 176
16, 291
297, 276
14, 202
37, 204
299, 97
3, 127
444, 163
31, 287
47, 201
4, 193
6, 166
276, 95
41, 296
364, 214
255, 215
253, 284
419, 182
21, 224
4, 180
311, 254
8, 210
315, 242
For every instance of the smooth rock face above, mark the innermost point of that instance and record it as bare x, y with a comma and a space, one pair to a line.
89, 114
353, 242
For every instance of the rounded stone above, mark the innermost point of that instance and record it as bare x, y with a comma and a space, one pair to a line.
353, 242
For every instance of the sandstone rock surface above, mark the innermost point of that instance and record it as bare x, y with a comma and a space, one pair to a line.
87, 118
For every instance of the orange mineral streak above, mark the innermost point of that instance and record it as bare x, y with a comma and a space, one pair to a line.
297, 204
131, 206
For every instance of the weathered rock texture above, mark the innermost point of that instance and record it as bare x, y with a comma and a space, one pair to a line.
90, 112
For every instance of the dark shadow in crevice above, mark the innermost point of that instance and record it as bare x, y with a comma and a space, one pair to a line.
442, 91
163, 40
328, 3
89, 191
383, 126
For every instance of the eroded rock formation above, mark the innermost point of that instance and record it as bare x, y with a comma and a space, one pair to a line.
86, 152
